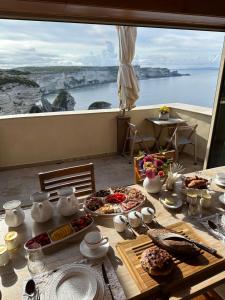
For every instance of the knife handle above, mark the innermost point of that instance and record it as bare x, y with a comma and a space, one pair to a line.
110, 291
204, 247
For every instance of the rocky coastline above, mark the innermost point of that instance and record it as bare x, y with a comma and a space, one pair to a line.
24, 90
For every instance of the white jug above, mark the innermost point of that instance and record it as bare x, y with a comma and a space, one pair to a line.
42, 209
152, 185
14, 215
67, 204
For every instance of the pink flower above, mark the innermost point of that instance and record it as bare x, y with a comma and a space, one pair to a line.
161, 173
148, 158
150, 173
158, 163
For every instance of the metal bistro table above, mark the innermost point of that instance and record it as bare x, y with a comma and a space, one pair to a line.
159, 125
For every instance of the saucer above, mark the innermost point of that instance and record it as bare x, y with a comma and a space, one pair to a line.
93, 253
177, 204
218, 182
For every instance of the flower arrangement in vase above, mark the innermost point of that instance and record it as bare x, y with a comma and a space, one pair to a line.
155, 171
164, 112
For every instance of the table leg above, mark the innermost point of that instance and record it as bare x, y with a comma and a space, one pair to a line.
171, 135
157, 136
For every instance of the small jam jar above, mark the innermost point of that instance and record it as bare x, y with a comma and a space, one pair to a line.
135, 218
147, 214
11, 240
4, 255
120, 223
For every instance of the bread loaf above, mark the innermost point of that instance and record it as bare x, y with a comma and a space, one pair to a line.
172, 242
156, 261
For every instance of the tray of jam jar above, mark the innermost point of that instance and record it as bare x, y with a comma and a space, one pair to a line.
59, 234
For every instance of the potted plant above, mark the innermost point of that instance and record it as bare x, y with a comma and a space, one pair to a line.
164, 112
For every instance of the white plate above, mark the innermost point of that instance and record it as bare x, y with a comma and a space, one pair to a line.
176, 205
93, 254
222, 199
218, 182
77, 282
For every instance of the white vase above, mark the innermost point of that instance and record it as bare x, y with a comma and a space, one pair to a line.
164, 116
14, 215
152, 185
42, 209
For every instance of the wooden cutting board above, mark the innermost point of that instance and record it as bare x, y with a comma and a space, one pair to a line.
188, 272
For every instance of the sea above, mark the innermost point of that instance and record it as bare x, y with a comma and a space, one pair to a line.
197, 89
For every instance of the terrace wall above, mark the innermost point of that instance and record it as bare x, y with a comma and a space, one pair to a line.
39, 138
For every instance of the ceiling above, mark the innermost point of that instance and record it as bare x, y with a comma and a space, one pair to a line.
196, 14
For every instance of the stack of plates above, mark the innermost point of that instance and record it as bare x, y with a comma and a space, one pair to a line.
220, 179
76, 282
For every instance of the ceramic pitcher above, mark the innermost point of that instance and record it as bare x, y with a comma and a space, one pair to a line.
152, 185
14, 215
42, 209
67, 204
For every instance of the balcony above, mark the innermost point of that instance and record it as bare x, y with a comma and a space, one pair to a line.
40, 142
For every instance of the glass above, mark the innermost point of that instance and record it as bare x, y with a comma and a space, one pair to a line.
206, 200
35, 259
194, 205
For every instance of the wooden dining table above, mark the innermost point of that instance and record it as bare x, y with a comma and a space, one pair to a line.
18, 267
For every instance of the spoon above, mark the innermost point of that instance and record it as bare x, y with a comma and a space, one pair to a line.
213, 225
142, 223
30, 288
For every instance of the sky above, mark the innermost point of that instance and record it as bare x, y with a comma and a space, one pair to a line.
38, 43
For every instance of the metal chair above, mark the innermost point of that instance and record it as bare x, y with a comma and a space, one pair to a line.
81, 177
178, 139
134, 137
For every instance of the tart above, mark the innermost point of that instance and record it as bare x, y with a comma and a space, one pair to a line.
156, 261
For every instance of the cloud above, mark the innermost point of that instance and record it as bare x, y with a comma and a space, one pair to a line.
38, 43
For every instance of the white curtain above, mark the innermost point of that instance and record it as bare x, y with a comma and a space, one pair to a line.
128, 88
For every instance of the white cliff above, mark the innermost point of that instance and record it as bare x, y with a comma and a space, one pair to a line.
18, 97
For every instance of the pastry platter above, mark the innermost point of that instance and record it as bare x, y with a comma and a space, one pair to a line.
195, 184
114, 201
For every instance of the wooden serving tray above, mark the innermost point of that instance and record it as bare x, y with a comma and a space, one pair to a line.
188, 272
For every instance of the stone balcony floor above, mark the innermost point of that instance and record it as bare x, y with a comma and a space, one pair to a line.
20, 183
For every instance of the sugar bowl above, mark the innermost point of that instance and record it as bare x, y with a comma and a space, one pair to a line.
135, 218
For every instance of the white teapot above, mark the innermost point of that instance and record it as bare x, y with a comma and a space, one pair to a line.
14, 215
42, 209
67, 204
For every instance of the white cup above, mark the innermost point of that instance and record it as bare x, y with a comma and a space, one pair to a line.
147, 214
120, 223
94, 239
135, 218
